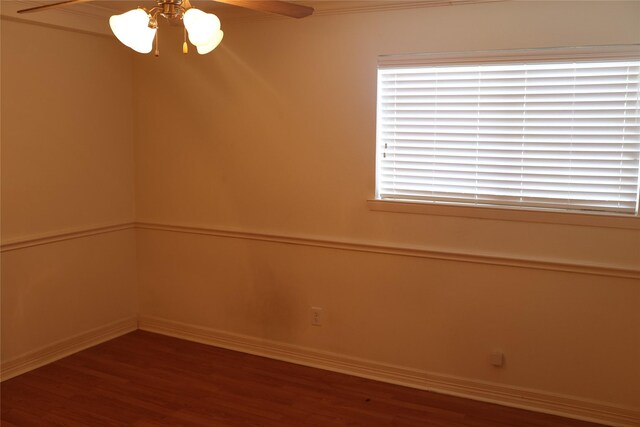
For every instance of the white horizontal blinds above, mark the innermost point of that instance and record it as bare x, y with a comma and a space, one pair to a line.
543, 135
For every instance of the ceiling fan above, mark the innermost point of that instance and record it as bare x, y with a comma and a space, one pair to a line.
137, 28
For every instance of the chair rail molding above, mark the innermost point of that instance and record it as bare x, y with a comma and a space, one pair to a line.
579, 268
62, 235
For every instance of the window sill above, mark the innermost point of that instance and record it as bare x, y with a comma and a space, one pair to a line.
507, 214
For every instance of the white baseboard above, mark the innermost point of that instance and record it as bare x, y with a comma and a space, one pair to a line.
66, 347
534, 400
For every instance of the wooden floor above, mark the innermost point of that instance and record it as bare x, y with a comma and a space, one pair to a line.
144, 379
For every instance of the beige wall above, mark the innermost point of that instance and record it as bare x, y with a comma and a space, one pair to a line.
275, 134
294, 101
67, 165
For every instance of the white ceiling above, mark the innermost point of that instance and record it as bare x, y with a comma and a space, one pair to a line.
93, 16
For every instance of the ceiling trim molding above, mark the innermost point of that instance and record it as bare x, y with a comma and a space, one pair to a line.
68, 10
401, 5
365, 7
55, 26
99, 12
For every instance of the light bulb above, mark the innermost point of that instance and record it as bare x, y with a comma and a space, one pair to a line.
204, 49
202, 27
132, 29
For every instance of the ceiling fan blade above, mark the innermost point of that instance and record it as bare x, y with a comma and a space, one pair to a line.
272, 6
51, 6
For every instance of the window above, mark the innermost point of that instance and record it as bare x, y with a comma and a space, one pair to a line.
555, 129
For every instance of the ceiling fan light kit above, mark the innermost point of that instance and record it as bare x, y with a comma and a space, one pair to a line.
138, 28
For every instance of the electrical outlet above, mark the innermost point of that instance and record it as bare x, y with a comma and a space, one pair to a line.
496, 358
316, 316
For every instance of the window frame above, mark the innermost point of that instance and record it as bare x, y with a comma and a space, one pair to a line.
509, 213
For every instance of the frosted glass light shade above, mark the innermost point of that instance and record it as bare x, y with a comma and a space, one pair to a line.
202, 27
191, 16
204, 49
132, 29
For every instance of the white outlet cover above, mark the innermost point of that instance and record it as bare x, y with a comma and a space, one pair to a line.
496, 358
316, 316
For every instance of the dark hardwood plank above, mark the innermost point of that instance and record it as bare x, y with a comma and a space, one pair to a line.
149, 380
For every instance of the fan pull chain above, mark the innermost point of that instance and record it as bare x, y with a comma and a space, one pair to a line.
185, 47
157, 52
